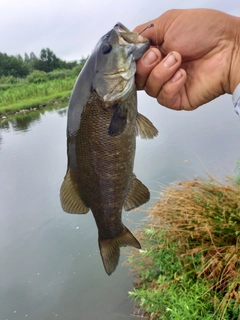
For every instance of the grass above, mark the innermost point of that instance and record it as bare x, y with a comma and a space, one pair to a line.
32, 95
34, 102
190, 267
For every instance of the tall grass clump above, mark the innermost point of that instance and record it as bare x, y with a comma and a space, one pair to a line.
29, 91
190, 267
34, 94
38, 88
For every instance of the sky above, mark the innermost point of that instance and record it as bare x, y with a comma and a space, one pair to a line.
71, 28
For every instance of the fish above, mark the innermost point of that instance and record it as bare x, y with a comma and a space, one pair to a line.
102, 125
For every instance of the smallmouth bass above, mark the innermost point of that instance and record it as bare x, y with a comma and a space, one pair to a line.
102, 126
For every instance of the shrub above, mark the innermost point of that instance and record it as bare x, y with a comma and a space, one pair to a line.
8, 80
59, 74
37, 76
190, 268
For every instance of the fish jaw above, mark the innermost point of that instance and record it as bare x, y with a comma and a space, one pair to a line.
126, 37
115, 67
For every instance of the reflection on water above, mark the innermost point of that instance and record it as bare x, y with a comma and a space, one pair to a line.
62, 112
50, 267
23, 121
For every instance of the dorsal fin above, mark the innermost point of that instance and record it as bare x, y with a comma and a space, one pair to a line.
70, 198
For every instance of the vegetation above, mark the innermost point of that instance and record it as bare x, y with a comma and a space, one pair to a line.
190, 265
35, 94
17, 66
30, 81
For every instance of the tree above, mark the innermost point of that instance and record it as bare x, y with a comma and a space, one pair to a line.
30, 61
12, 66
48, 61
26, 58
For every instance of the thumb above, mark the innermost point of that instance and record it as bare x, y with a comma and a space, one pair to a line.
151, 33
161, 25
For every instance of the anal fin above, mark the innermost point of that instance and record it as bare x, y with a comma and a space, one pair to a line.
138, 194
145, 128
70, 198
110, 249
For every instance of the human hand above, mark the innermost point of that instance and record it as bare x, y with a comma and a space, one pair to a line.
203, 47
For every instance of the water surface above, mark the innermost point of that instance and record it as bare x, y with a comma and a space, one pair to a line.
50, 267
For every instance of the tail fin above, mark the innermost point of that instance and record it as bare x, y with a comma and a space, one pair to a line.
110, 249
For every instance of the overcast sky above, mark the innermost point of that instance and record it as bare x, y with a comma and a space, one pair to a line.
71, 28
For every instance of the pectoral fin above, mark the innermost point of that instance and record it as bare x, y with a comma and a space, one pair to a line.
145, 128
118, 121
70, 199
110, 249
137, 195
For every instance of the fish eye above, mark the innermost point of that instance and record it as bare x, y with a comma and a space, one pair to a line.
106, 48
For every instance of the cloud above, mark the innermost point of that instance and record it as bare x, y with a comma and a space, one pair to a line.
71, 28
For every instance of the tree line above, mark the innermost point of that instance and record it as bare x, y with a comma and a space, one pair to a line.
20, 67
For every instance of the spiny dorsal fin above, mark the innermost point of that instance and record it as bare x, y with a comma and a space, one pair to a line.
145, 128
110, 249
137, 195
70, 199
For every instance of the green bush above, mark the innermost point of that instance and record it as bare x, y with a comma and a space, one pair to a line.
76, 70
59, 74
37, 76
8, 80
4, 87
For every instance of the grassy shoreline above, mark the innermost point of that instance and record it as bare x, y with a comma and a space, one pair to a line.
35, 95
35, 104
190, 265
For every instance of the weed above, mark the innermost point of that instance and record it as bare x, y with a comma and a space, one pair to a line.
190, 268
237, 170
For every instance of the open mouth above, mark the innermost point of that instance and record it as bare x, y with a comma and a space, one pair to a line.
125, 36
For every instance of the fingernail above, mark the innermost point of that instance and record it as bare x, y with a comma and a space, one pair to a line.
178, 75
150, 57
170, 61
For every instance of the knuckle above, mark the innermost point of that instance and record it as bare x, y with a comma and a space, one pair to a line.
161, 99
156, 76
167, 90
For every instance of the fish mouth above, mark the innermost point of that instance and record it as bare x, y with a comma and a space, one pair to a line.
119, 27
127, 37
135, 45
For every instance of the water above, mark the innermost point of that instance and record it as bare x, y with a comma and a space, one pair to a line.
50, 267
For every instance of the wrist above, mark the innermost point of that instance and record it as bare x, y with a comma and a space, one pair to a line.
234, 73
236, 99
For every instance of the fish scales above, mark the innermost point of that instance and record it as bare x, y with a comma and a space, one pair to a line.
103, 122
108, 161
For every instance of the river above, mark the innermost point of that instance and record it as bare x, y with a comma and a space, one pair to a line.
50, 267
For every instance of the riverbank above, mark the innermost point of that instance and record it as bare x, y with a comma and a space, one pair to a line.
25, 97
34, 105
189, 267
